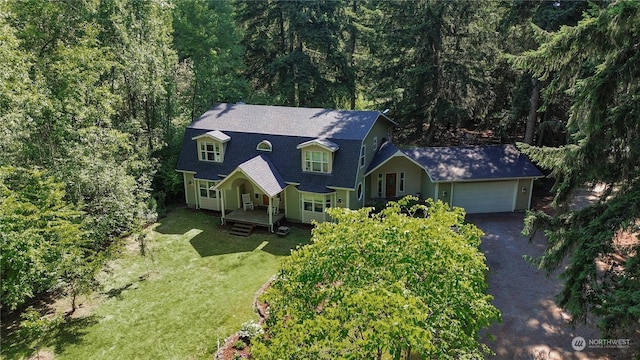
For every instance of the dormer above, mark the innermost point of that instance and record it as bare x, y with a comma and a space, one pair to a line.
212, 145
317, 155
264, 145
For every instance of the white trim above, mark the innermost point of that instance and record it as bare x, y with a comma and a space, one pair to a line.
185, 171
184, 180
319, 142
292, 183
396, 154
515, 196
362, 160
339, 188
530, 194
361, 196
215, 135
264, 142
484, 180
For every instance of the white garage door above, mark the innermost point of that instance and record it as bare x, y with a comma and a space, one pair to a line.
484, 197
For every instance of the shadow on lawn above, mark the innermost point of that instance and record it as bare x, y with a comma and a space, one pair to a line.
219, 242
203, 230
69, 332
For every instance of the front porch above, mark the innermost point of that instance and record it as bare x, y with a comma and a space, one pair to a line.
257, 217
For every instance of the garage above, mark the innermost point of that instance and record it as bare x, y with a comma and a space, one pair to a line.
485, 197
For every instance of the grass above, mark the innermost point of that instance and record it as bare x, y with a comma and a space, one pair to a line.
194, 286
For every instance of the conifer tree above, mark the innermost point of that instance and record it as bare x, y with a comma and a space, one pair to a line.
596, 64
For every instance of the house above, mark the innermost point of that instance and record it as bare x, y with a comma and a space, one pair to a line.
296, 162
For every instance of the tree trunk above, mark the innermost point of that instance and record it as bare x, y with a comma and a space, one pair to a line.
533, 113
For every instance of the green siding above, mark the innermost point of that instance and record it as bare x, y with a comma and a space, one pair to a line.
412, 177
190, 189
442, 187
292, 199
427, 188
522, 198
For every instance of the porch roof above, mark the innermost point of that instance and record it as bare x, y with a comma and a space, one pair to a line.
261, 172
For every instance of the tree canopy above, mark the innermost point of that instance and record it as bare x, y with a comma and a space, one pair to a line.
373, 285
596, 64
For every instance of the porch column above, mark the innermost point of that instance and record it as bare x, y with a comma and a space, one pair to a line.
222, 206
270, 210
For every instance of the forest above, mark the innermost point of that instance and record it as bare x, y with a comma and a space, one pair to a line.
95, 96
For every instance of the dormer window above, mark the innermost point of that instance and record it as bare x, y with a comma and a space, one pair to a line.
264, 145
211, 145
317, 155
316, 161
210, 151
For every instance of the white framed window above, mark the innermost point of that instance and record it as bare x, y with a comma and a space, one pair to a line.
210, 151
205, 189
316, 161
359, 191
362, 159
401, 184
380, 185
375, 144
264, 145
316, 203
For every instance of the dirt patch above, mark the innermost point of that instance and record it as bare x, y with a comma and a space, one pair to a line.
533, 326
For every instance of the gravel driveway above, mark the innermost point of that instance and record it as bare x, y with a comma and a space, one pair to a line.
533, 326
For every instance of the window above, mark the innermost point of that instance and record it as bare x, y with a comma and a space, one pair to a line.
210, 151
264, 145
401, 185
359, 191
375, 144
362, 150
316, 203
317, 161
206, 191
380, 185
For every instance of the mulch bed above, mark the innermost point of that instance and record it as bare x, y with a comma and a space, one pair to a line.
227, 351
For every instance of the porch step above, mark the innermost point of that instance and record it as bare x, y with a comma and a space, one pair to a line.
240, 229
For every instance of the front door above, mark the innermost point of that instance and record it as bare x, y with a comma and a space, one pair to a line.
390, 187
265, 200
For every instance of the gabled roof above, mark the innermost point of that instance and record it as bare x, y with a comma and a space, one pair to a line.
387, 151
289, 121
263, 173
215, 134
284, 157
329, 145
470, 163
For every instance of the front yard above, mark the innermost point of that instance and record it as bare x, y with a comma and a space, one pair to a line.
194, 287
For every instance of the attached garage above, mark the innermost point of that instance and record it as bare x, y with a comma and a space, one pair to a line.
480, 179
485, 196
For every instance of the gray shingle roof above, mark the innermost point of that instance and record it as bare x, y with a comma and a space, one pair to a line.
284, 157
289, 121
474, 162
264, 174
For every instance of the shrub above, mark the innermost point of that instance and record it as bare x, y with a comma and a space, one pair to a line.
250, 329
239, 345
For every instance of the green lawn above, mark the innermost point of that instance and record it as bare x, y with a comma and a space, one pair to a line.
195, 285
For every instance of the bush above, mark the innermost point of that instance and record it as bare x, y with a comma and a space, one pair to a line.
239, 345
250, 329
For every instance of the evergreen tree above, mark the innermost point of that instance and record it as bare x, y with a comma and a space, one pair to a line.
432, 61
294, 52
596, 64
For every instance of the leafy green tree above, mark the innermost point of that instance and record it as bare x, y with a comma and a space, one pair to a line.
374, 285
596, 63
41, 236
